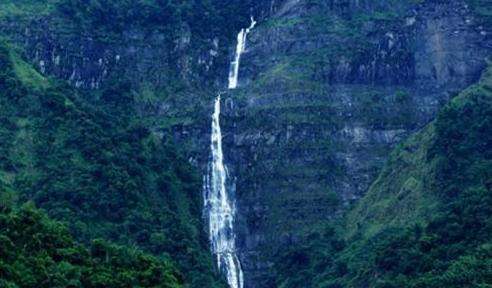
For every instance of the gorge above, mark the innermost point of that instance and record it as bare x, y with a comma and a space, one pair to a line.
337, 143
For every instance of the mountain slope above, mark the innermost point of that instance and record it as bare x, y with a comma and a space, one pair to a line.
98, 168
326, 90
38, 252
450, 155
425, 222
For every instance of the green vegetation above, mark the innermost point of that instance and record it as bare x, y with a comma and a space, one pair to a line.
89, 160
426, 221
38, 252
483, 9
98, 168
107, 19
27, 75
25, 8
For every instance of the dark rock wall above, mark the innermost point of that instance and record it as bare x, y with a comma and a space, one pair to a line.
183, 70
327, 88
88, 60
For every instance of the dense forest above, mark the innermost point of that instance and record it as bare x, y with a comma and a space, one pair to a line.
96, 166
355, 157
39, 252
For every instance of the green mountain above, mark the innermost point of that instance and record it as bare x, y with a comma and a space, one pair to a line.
98, 168
355, 149
426, 220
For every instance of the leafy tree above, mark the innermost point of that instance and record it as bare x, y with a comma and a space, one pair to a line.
36, 251
89, 160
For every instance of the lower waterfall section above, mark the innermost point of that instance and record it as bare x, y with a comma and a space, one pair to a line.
221, 209
218, 200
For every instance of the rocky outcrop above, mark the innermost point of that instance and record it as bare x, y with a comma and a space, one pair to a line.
327, 88
89, 55
88, 59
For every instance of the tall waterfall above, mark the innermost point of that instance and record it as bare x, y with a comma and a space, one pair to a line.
240, 47
219, 205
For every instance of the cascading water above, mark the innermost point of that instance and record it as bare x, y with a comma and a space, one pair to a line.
241, 46
219, 206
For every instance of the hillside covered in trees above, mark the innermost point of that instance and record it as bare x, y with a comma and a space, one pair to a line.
354, 148
95, 166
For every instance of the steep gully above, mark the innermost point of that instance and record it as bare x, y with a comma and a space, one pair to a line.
218, 189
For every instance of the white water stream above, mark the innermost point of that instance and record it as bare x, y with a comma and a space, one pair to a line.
219, 206
241, 46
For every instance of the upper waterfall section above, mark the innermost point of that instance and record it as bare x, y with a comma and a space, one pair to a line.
240, 48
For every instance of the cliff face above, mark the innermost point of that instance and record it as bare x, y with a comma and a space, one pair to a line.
88, 46
326, 90
87, 59
175, 66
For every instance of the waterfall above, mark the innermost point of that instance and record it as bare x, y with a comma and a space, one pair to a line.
240, 47
219, 205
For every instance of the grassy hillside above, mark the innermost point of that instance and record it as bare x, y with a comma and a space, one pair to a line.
97, 167
425, 222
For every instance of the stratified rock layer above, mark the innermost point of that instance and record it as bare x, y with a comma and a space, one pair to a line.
327, 88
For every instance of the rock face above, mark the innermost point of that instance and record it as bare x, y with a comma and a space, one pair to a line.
88, 55
87, 60
190, 67
327, 88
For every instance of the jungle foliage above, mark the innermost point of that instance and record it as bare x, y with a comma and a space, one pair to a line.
94, 165
38, 252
